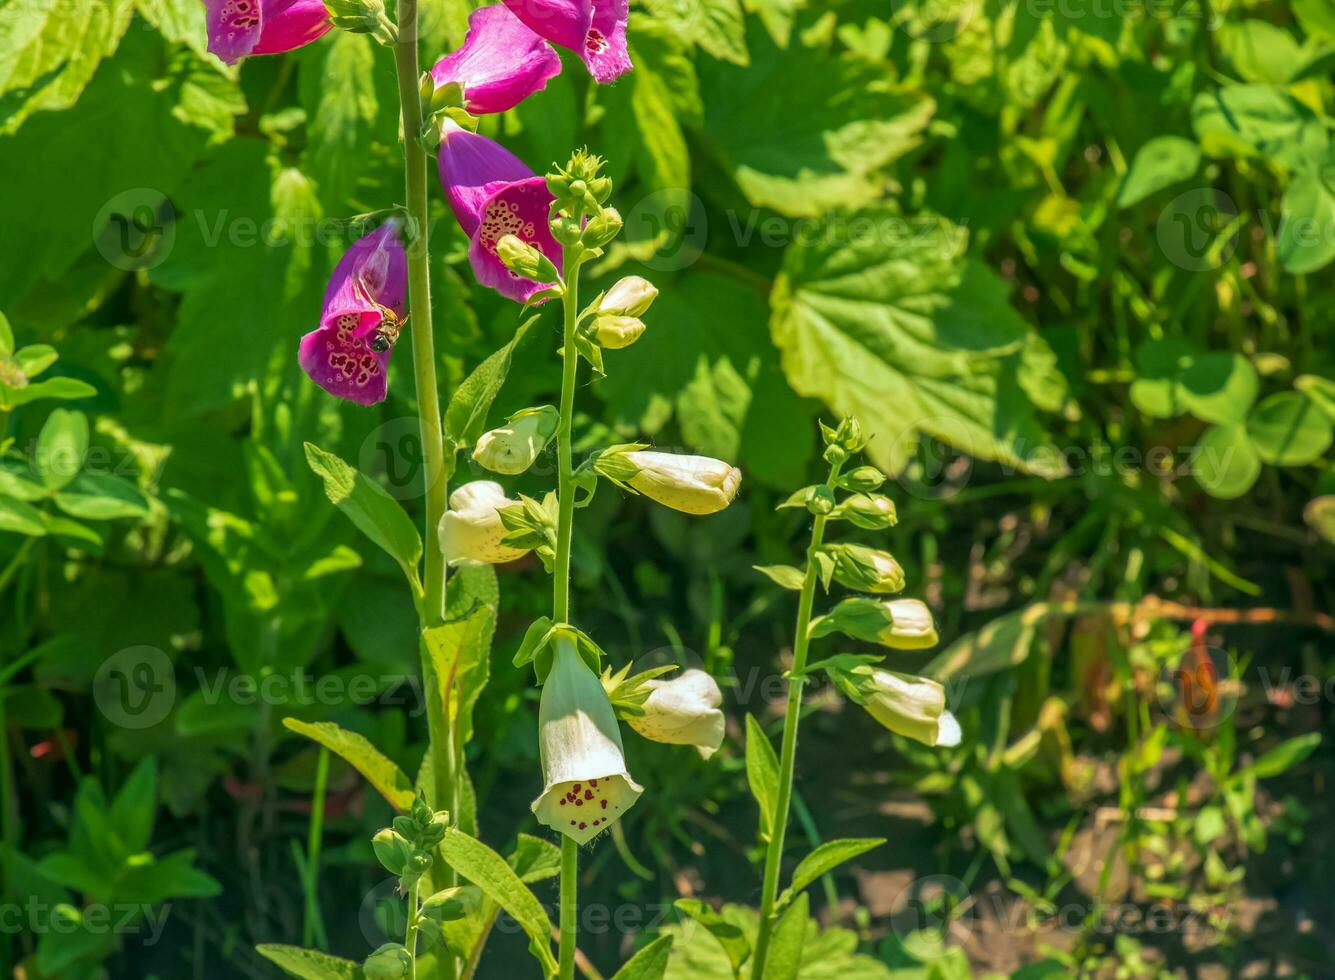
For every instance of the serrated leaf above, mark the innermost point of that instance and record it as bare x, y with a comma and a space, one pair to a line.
717, 26
358, 752
783, 575
825, 858
309, 964
734, 942
762, 774
650, 963
375, 513
338, 89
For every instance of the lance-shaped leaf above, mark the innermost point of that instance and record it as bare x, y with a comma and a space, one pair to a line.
309, 964
762, 774
826, 857
388, 779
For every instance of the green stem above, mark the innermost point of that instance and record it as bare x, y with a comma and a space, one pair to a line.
788, 753
561, 574
410, 933
311, 927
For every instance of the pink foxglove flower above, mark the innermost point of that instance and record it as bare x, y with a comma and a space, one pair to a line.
493, 194
501, 63
238, 28
594, 29
363, 313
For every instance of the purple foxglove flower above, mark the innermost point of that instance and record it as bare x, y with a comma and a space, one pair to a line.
501, 63
594, 29
494, 194
363, 312
238, 28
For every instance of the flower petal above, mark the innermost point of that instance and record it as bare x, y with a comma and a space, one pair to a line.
233, 27
521, 209
501, 62
472, 168
290, 24
604, 50
563, 22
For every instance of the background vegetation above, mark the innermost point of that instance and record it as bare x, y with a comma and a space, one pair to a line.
1069, 261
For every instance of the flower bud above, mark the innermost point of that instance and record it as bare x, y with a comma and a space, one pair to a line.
911, 625
862, 479
471, 530
513, 447
872, 511
631, 296
616, 332
901, 624
690, 484
848, 435
566, 230
586, 785
683, 711
419, 863
391, 850
602, 228
389, 962
866, 569
914, 707
525, 260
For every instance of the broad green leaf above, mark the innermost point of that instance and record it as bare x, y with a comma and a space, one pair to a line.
735, 944
1317, 18
62, 389
61, 447
50, 51
136, 802
534, 859
1003, 642
1162, 162
1260, 51
338, 90
466, 416
101, 497
181, 21
824, 858
1285, 756
1288, 429
458, 649
63, 527
17, 481
309, 964
1320, 389
762, 774
783, 575
34, 359
784, 961
1225, 462
717, 26
1157, 389
375, 513
804, 130
358, 752
1219, 387
485, 868
1306, 240
1258, 120
20, 517
649, 963
892, 325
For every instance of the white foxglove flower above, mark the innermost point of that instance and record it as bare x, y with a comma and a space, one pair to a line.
513, 447
683, 711
586, 785
471, 530
914, 707
690, 484
911, 626
631, 296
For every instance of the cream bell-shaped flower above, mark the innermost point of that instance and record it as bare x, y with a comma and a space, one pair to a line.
911, 625
683, 711
471, 530
631, 296
512, 448
586, 785
690, 484
914, 707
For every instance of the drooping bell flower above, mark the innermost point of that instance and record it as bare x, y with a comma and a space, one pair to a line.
514, 447
493, 194
683, 710
914, 707
593, 29
239, 28
471, 530
363, 314
691, 484
585, 783
501, 62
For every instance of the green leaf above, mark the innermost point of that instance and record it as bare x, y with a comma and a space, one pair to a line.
1260, 51
1306, 242
1003, 642
358, 752
785, 576
133, 809
734, 942
762, 774
309, 964
1219, 386
181, 21
717, 26
1225, 462
375, 513
784, 961
895, 327
1258, 120
101, 497
339, 93
466, 416
824, 858
20, 517
62, 389
534, 859
485, 868
16, 481
1157, 390
35, 358
1162, 162
50, 51
1288, 429
650, 963
61, 447
459, 650
6, 337
1321, 390
1285, 756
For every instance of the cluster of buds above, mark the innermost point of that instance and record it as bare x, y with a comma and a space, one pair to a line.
404, 847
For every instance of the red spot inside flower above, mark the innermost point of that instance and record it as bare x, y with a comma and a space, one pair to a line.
579, 803
562, 802
588, 794
595, 42
593, 783
604, 802
575, 788
582, 825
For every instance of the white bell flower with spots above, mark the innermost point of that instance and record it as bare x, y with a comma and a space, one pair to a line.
683, 711
471, 530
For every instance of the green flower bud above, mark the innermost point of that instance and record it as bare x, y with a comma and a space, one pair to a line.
419, 863
601, 189
514, 447
866, 569
848, 435
390, 962
821, 500
616, 332
901, 624
362, 17
874, 511
525, 260
405, 827
690, 484
631, 296
602, 228
391, 850
566, 230
863, 479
